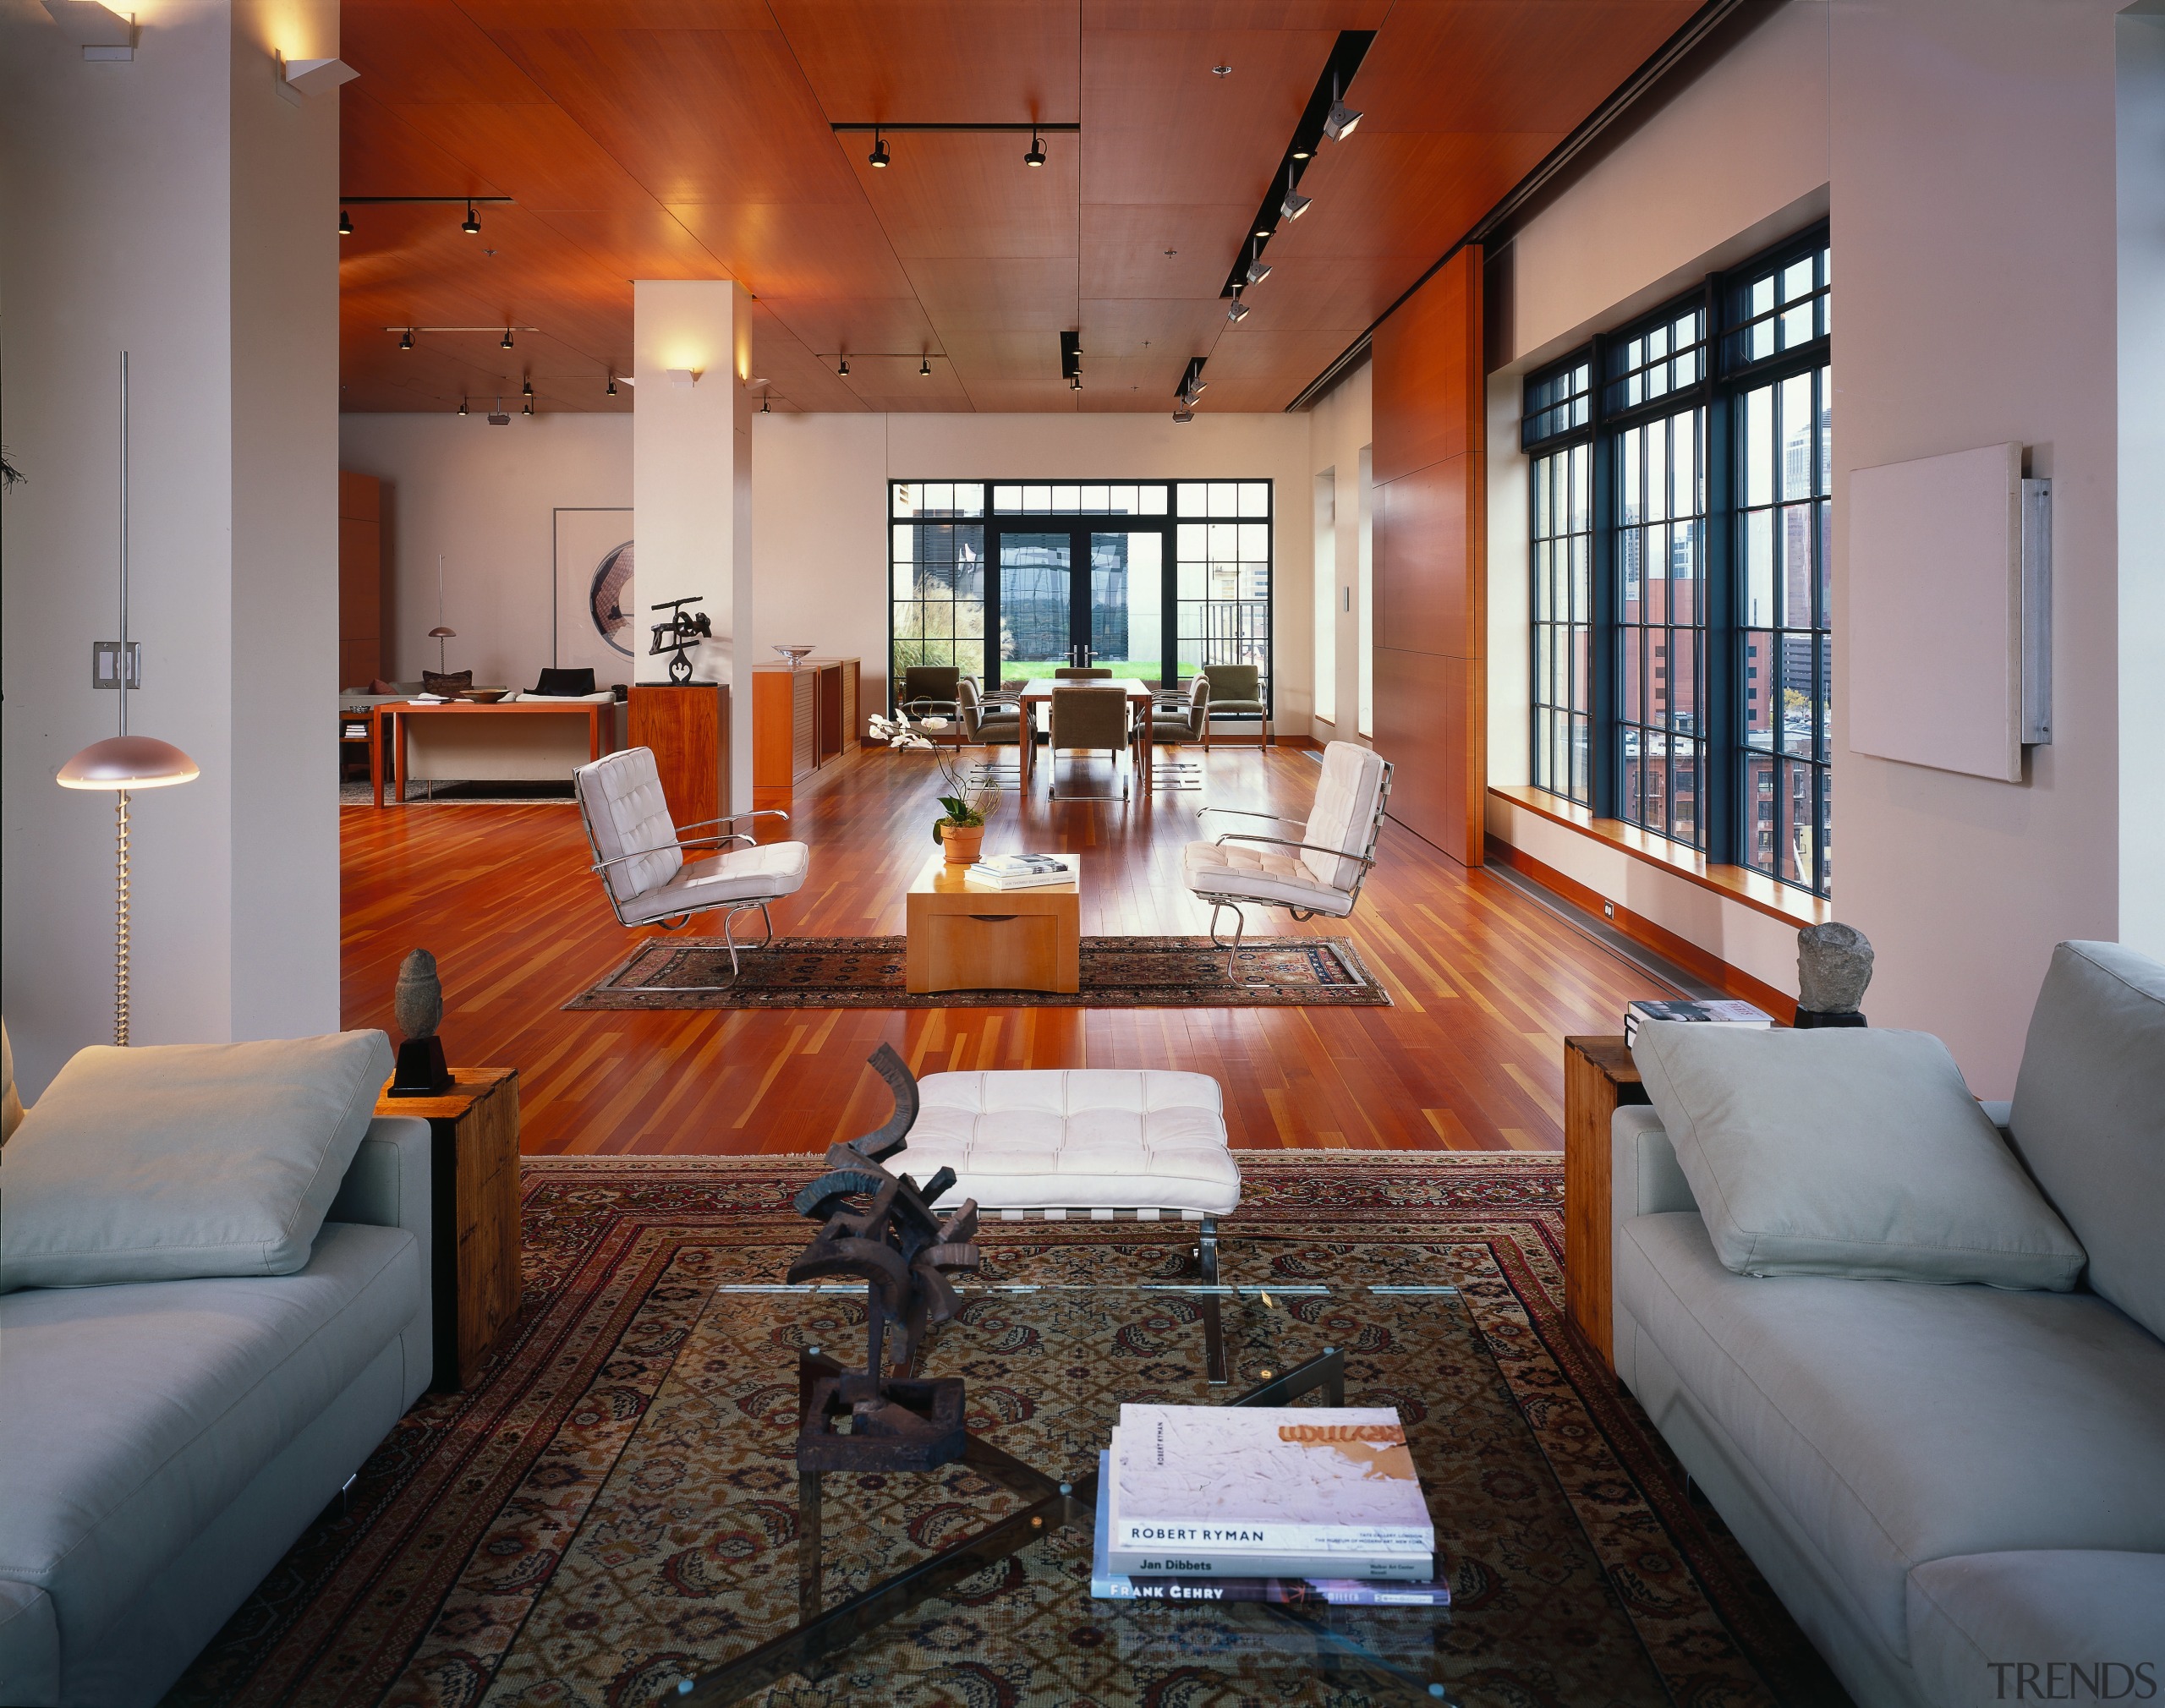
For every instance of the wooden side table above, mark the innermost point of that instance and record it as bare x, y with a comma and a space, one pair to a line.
1598, 1075
474, 1265
967, 936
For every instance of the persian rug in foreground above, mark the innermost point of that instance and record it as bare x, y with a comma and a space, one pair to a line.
613, 1508
867, 973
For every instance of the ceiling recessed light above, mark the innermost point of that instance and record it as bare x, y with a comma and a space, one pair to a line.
878, 157
1036, 156
1300, 153
1221, 71
1170, 254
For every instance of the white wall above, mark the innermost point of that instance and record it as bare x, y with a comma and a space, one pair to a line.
1339, 429
483, 496
175, 206
1965, 151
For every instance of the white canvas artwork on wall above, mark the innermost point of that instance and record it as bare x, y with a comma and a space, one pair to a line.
596, 616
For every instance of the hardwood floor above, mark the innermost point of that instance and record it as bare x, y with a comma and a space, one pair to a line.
1484, 982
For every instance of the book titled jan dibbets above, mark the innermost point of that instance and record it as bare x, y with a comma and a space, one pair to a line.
1109, 1586
1266, 1492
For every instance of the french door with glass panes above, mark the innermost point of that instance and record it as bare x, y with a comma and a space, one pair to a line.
1080, 594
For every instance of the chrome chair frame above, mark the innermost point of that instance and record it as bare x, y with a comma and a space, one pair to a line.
1367, 858
728, 910
1179, 773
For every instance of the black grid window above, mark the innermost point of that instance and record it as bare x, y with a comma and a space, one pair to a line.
1695, 703
937, 574
1563, 617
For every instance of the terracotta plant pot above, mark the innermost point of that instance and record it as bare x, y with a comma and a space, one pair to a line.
963, 842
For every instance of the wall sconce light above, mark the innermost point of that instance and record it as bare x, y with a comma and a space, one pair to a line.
300, 77
100, 32
683, 378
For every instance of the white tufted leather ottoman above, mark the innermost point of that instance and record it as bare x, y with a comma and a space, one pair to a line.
1098, 1142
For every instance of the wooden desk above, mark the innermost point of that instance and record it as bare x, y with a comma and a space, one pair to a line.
966, 935
1598, 1075
1039, 693
474, 1267
391, 719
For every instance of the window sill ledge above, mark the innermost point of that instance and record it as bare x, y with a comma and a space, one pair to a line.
1736, 883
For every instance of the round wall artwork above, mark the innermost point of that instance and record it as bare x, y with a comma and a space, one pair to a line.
606, 595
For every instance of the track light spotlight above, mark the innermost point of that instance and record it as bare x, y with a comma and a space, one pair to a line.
526, 389
1184, 414
1036, 156
528, 409
1074, 382
506, 345
461, 405
924, 367
1339, 123
469, 225
345, 223
1258, 268
878, 157
1239, 310
611, 390
767, 404
1295, 203
842, 372
406, 342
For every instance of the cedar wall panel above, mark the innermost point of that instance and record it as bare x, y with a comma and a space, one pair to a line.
1431, 533
360, 579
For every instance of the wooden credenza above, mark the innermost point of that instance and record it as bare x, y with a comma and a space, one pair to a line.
801, 720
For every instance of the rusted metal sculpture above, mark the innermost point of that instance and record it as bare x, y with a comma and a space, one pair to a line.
880, 1227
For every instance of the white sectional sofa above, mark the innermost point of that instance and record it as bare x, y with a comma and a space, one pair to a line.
1944, 1483
163, 1442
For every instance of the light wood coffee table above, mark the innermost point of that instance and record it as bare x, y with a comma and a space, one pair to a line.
965, 935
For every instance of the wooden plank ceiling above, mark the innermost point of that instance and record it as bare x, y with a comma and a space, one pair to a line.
691, 138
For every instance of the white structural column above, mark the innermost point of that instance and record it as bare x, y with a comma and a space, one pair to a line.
177, 205
692, 483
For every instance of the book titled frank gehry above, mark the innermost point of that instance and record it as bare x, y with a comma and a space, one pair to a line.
1267, 1492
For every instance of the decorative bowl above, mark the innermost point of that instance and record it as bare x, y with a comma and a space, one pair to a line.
795, 654
487, 697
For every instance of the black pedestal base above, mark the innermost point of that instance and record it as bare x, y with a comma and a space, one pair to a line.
1808, 1019
421, 1071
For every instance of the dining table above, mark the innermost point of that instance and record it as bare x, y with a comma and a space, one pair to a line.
1038, 692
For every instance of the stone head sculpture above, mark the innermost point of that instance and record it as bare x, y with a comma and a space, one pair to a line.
417, 1004
1833, 966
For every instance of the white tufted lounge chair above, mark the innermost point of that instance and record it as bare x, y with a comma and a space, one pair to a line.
638, 851
1320, 872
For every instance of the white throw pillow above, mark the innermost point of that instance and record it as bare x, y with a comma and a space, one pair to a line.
173, 1161
1854, 1152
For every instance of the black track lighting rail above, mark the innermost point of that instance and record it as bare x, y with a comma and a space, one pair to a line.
491, 329
424, 201
1347, 54
840, 125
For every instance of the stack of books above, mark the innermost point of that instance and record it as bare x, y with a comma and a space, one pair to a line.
1021, 871
1723, 1013
1263, 1503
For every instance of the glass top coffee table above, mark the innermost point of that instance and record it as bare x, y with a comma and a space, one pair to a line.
1050, 1340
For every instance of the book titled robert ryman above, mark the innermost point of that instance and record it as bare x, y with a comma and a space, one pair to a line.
1267, 1492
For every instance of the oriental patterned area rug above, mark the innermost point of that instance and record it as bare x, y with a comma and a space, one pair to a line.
1116, 972
611, 1510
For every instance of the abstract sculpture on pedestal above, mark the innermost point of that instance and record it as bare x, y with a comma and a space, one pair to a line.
880, 1227
417, 1005
1833, 966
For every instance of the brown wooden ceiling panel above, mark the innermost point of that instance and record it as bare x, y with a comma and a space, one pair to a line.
971, 195
1157, 127
1124, 246
984, 62
791, 249
692, 138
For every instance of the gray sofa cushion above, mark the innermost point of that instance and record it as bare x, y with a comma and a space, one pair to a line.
133, 1414
172, 1161
2089, 1116
2091, 1626
1896, 1424
1856, 1153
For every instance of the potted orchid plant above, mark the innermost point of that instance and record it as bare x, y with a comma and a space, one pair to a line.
960, 831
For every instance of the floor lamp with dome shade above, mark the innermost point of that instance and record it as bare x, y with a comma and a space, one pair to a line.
124, 763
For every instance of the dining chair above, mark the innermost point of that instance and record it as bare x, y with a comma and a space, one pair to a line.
1088, 719
1236, 690
1175, 718
639, 853
1319, 871
928, 688
989, 720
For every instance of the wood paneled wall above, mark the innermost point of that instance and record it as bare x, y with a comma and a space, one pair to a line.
1431, 537
360, 579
